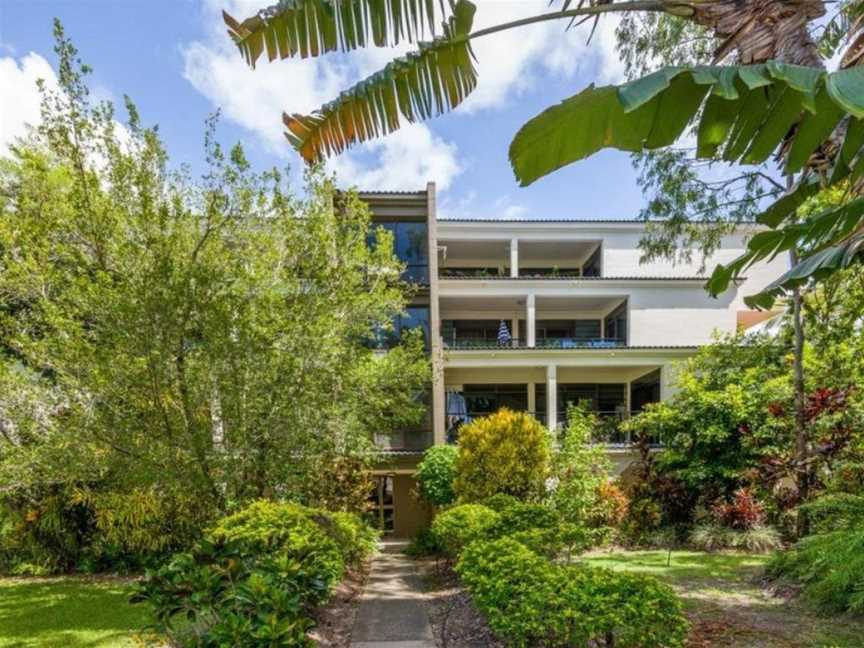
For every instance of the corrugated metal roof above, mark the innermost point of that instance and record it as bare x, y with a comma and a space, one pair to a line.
495, 347
572, 278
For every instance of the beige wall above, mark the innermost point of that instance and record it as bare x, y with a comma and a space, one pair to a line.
410, 514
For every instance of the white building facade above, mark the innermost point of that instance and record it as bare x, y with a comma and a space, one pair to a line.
539, 313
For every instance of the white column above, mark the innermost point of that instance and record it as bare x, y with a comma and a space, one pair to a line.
532, 398
552, 396
514, 257
529, 307
514, 331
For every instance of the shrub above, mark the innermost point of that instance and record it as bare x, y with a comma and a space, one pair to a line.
435, 474
499, 502
528, 601
425, 543
611, 505
579, 468
835, 511
523, 516
759, 538
456, 527
743, 512
831, 568
506, 452
255, 576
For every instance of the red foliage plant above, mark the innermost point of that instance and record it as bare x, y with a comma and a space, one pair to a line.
743, 512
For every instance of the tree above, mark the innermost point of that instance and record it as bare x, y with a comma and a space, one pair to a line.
204, 335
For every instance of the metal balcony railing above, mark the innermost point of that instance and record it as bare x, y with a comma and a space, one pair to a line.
456, 341
609, 430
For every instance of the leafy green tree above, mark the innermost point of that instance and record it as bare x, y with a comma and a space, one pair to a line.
579, 468
436, 473
209, 334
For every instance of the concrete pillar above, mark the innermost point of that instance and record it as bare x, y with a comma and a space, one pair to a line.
437, 354
532, 399
668, 374
514, 258
514, 331
530, 319
552, 396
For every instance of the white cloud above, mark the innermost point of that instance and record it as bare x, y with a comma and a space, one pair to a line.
510, 63
256, 99
19, 101
514, 61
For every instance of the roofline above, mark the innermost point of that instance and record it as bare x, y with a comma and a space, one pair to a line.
575, 278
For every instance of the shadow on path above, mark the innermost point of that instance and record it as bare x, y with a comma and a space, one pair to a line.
392, 612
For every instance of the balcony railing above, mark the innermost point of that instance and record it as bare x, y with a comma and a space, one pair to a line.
609, 430
480, 342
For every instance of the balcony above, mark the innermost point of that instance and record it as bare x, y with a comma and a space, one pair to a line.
529, 322
515, 259
462, 343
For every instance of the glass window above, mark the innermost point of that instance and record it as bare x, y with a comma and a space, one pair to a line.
415, 317
411, 245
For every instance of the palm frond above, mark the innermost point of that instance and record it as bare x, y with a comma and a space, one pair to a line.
313, 27
420, 85
826, 242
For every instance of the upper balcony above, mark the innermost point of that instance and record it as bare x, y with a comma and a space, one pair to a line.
541, 323
515, 259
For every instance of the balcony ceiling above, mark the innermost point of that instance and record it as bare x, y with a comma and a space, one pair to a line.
558, 305
531, 253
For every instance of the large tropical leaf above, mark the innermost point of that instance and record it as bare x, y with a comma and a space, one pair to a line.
418, 86
742, 113
313, 27
825, 242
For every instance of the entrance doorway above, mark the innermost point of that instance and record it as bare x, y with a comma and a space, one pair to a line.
381, 504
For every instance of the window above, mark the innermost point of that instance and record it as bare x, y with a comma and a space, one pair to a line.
411, 244
488, 399
615, 324
591, 268
381, 504
413, 317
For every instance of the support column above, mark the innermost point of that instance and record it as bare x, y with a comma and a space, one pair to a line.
532, 399
514, 258
552, 397
529, 307
514, 331
667, 381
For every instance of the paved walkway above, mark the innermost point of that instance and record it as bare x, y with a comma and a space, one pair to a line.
392, 611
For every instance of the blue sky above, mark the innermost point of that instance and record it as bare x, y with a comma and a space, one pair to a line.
178, 64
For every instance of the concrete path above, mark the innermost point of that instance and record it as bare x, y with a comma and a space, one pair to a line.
392, 612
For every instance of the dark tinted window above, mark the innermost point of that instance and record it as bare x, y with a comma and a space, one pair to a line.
411, 244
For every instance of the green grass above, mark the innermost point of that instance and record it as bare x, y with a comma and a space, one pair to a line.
68, 612
684, 564
727, 605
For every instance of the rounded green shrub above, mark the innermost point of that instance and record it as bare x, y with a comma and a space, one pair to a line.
435, 475
256, 574
499, 502
523, 516
456, 527
529, 600
507, 452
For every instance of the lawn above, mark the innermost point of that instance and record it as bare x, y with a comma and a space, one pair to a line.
727, 604
68, 612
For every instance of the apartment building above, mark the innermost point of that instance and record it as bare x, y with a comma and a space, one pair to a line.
539, 313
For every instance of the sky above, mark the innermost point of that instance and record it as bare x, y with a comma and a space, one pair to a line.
176, 61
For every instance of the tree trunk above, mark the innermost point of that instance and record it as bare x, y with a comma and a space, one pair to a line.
802, 439
760, 30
